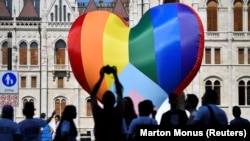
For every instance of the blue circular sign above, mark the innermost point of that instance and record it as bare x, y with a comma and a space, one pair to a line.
9, 79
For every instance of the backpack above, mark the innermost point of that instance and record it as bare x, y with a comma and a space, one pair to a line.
213, 121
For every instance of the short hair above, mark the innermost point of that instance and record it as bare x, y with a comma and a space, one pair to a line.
193, 99
42, 115
145, 107
236, 111
211, 96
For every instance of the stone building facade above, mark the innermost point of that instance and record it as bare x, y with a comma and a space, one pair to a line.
40, 28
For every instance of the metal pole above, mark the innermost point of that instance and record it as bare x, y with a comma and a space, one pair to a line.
9, 50
40, 40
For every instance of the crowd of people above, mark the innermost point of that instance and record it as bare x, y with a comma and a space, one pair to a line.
117, 119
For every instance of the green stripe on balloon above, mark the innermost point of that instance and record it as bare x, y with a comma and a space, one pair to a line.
139, 38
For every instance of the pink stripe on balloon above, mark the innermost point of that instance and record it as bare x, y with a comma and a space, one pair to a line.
137, 98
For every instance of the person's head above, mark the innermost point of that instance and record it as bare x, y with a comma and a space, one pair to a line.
145, 107
108, 100
236, 111
7, 112
173, 100
128, 103
57, 118
42, 115
29, 109
69, 112
209, 97
191, 102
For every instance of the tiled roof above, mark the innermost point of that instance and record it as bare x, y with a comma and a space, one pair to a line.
120, 10
3, 10
91, 6
29, 10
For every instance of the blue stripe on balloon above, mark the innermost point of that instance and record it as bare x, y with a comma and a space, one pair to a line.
133, 80
167, 46
188, 24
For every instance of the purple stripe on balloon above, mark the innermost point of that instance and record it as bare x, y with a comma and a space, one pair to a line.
189, 48
167, 46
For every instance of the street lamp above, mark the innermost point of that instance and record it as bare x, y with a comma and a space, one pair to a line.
9, 50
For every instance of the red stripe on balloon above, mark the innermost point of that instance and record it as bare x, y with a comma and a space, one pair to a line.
92, 47
74, 40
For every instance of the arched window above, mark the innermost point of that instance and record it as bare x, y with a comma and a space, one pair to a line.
238, 15
5, 53
34, 53
60, 10
68, 17
23, 53
60, 52
88, 107
60, 104
27, 99
64, 13
217, 88
244, 92
56, 13
52, 17
214, 85
212, 10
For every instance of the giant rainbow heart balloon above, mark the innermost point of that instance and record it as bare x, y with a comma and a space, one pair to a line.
158, 56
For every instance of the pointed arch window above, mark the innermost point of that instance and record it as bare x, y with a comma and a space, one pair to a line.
69, 17
5, 53
238, 15
88, 106
244, 92
60, 52
212, 10
60, 104
34, 53
214, 85
23, 53
64, 13
52, 17
56, 13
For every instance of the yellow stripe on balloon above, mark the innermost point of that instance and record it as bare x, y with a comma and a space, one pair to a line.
115, 44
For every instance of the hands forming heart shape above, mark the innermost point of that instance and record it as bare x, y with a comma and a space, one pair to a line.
160, 55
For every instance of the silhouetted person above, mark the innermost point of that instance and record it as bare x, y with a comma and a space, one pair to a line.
238, 120
174, 116
204, 116
129, 110
66, 130
109, 119
31, 127
191, 103
9, 130
55, 125
146, 108
46, 131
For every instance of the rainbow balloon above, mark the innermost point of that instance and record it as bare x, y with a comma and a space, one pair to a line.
160, 55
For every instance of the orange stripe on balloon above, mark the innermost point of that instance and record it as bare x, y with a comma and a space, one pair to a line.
115, 44
92, 47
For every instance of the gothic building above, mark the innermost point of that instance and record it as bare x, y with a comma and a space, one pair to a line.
33, 35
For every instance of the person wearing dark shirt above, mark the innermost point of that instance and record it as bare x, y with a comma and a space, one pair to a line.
174, 116
109, 119
238, 120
